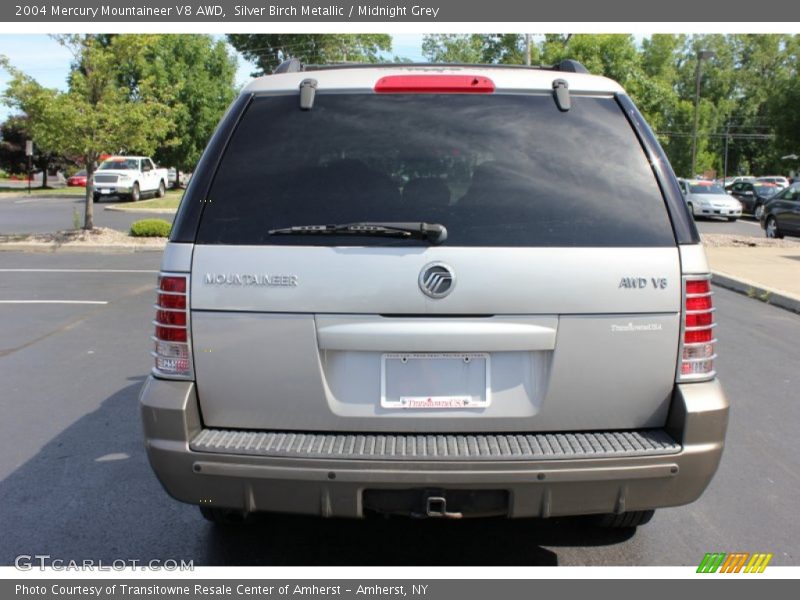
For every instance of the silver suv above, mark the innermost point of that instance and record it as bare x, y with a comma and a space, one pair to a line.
434, 291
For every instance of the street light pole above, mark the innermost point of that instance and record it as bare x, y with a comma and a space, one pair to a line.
701, 56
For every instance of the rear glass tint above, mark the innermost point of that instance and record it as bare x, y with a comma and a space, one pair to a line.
495, 170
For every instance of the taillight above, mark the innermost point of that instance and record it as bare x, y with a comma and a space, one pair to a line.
173, 356
698, 346
434, 84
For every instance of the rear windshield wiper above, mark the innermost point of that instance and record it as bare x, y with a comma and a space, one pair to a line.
433, 232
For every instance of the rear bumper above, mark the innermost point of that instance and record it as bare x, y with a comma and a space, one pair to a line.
334, 487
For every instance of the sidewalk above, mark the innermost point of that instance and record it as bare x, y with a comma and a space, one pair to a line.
768, 274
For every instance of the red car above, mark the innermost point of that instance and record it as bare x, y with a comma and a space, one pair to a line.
77, 180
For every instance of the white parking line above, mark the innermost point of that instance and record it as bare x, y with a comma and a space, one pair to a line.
53, 302
78, 271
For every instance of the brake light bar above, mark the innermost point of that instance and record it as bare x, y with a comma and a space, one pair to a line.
172, 353
434, 84
698, 344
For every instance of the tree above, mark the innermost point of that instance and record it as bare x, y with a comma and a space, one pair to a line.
267, 51
12, 147
96, 114
14, 133
783, 108
476, 48
192, 74
612, 55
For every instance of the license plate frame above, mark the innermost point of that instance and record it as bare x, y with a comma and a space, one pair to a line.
464, 399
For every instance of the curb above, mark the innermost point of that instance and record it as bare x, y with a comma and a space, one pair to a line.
71, 248
17, 196
162, 211
756, 291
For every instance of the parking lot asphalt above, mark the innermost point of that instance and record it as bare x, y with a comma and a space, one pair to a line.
747, 225
75, 483
44, 214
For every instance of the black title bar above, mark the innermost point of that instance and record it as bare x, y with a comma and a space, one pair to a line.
423, 11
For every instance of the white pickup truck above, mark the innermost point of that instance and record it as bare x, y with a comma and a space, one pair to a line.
130, 177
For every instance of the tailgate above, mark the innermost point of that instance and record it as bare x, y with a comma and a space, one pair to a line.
573, 339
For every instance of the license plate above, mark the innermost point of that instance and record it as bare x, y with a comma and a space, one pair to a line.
435, 381
105, 191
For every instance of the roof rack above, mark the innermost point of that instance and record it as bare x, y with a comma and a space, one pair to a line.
293, 65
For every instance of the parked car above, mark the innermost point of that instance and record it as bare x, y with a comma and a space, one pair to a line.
782, 182
77, 180
729, 181
434, 291
753, 195
130, 177
709, 199
782, 213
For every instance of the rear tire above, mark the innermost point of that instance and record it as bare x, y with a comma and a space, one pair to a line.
625, 520
771, 229
732, 219
226, 517
162, 190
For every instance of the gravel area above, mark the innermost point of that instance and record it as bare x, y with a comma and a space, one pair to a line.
719, 240
99, 236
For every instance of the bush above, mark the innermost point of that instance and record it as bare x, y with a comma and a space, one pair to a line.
150, 228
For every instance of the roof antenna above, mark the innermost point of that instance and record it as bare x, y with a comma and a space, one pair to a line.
308, 89
290, 65
561, 94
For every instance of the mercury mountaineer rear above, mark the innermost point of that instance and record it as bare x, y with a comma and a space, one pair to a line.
434, 291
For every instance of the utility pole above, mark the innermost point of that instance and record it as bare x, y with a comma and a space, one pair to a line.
725, 167
701, 56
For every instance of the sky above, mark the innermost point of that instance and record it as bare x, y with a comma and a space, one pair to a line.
48, 62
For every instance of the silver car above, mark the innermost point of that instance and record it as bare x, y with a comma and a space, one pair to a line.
434, 291
709, 199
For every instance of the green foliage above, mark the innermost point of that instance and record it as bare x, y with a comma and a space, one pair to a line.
12, 145
13, 135
749, 91
191, 74
96, 114
267, 51
151, 228
477, 49
613, 55
783, 104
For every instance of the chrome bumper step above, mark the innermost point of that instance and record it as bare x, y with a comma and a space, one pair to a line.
436, 447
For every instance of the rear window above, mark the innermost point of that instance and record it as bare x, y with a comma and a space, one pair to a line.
122, 164
495, 170
706, 188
